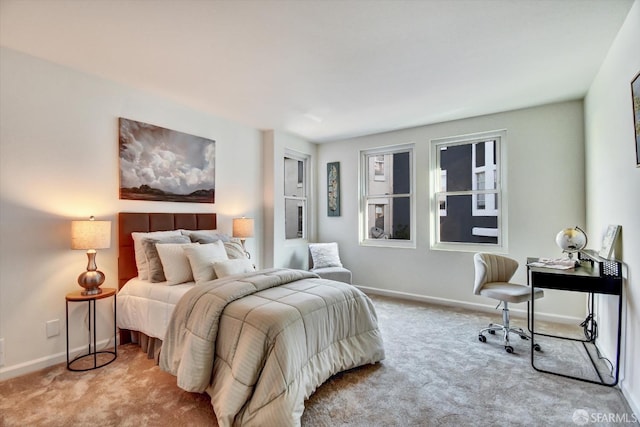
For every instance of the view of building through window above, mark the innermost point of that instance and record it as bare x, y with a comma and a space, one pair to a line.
295, 197
388, 194
468, 197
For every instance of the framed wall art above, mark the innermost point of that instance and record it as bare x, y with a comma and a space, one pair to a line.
635, 96
165, 165
333, 189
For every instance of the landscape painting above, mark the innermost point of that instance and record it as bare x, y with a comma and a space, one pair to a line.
165, 165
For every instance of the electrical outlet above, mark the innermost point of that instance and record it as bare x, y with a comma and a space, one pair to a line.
53, 328
1, 351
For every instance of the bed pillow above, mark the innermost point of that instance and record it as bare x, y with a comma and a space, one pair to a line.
175, 263
234, 249
205, 236
325, 255
233, 266
141, 259
202, 257
154, 265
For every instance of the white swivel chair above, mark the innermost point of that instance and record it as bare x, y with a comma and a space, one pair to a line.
493, 273
324, 260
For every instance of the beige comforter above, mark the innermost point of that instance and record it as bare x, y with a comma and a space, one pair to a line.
259, 344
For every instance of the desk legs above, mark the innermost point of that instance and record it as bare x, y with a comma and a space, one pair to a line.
584, 344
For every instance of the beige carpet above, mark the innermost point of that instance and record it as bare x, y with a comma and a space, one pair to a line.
436, 373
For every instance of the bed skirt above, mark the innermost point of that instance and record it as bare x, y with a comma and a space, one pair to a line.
148, 344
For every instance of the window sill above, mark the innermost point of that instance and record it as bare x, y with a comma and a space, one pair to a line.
469, 247
389, 243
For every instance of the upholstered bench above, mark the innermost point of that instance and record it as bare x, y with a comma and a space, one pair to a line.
324, 260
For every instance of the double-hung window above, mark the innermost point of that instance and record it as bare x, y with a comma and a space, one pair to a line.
295, 196
387, 197
468, 207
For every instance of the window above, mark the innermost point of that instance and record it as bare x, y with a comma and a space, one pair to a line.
387, 207
295, 196
467, 195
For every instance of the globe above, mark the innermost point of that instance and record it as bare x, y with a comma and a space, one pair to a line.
571, 240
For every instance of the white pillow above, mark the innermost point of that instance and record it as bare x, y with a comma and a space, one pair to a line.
325, 255
233, 266
175, 263
202, 257
141, 258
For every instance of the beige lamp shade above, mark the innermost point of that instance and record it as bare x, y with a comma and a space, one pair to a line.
243, 227
90, 234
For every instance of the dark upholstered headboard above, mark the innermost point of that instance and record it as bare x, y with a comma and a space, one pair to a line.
129, 222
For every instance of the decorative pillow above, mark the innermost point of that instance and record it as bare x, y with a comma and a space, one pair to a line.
154, 265
141, 259
175, 263
234, 249
325, 255
202, 257
205, 236
233, 266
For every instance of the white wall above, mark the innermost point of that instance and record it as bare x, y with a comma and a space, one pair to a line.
545, 185
613, 190
59, 161
278, 251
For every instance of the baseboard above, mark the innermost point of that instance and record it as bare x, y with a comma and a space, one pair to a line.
516, 312
45, 362
633, 403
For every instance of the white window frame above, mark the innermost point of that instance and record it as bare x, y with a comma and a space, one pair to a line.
304, 200
364, 239
436, 187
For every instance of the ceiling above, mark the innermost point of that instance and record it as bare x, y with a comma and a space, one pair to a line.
328, 69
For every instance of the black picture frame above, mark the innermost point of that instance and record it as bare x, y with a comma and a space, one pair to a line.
333, 189
635, 99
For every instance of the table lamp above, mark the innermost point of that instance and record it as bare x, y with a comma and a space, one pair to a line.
91, 235
243, 228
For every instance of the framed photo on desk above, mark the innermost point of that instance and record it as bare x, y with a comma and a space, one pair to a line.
608, 241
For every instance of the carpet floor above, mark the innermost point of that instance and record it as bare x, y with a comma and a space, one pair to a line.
436, 373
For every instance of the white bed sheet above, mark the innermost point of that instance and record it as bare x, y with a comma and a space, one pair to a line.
147, 307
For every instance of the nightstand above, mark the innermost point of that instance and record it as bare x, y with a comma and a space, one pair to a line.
91, 309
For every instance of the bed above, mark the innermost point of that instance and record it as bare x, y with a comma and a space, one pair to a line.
258, 342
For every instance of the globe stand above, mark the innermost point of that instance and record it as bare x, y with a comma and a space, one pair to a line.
571, 240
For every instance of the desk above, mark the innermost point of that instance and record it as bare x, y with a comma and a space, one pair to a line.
91, 302
593, 276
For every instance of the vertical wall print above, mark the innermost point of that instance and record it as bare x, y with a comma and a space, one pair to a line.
165, 165
333, 189
635, 96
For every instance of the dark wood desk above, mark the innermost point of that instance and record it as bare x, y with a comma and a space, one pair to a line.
593, 276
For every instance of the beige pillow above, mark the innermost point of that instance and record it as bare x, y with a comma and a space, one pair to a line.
154, 265
202, 257
175, 262
232, 267
234, 249
141, 259
206, 236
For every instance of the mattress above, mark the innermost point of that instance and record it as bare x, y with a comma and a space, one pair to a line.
147, 307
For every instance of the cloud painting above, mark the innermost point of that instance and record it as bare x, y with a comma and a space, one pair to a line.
165, 165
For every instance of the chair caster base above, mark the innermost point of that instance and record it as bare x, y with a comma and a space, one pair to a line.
508, 349
482, 338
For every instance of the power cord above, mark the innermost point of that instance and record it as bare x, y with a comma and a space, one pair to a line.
590, 329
